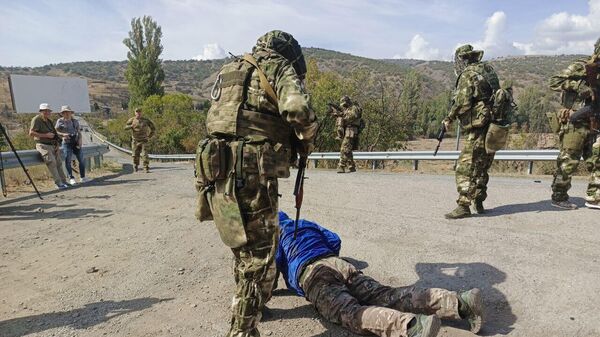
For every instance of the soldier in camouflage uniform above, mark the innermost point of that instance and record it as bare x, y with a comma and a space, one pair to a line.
142, 129
476, 84
260, 118
577, 135
308, 258
347, 128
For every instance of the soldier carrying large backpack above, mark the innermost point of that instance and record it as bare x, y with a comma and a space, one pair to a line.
482, 107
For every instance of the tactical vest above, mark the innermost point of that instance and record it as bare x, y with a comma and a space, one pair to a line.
229, 116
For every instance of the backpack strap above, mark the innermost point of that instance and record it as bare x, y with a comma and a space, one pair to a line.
264, 83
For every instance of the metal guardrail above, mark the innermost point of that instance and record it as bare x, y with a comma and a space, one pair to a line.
32, 157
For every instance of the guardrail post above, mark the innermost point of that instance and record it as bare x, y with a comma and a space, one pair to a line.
315, 163
415, 165
530, 167
374, 165
88, 162
97, 161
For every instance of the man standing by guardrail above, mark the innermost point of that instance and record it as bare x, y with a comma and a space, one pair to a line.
47, 144
142, 129
69, 128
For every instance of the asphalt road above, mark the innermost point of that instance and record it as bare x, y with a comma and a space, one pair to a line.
124, 256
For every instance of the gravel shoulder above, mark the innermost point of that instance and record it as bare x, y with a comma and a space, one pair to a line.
124, 255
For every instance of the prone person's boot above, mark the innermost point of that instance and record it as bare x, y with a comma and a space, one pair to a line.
459, 212
470, 307
424, 326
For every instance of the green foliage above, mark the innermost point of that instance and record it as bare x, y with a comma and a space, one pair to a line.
179, 127
144, 69
534, 102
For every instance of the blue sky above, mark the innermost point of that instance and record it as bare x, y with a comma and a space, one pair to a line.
38, 32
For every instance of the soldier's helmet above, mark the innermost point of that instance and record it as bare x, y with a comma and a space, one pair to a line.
286, 45
464, 55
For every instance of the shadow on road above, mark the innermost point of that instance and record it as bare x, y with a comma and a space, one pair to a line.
81, 318
49, 211
537, 207
464, 276
107, 180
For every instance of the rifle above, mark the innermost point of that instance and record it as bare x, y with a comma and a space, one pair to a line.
335, 110
12, 147
299, 191
440, 138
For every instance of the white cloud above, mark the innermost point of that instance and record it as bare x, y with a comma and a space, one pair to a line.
211, 51
419, 49
564, 33
494, 42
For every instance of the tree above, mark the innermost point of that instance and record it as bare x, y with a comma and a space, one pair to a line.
534, 102
144, 72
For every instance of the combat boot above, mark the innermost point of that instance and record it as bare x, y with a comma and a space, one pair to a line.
459, 212
424, 326
147, 169
470, 307
564, 204
341, 170
136, 168
593, 204
479, 209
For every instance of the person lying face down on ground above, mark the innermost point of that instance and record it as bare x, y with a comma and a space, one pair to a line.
311, 267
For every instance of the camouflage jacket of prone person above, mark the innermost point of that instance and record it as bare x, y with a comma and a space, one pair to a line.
244, 106
476, 83
573, 84
142, 129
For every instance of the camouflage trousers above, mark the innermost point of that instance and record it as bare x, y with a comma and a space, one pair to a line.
346, 157
138, 148
472, 168
576, 142
254, 267
345, 296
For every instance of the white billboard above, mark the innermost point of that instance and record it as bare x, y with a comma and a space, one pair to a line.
28, 92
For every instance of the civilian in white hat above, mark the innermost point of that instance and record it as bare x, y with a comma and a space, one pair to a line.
70, 131
47, 142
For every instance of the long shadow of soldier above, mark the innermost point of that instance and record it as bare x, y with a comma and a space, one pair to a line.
499, 317
530, 207
81, 318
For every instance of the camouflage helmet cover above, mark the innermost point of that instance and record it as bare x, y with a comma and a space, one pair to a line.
286, 45
464, 55
345, 100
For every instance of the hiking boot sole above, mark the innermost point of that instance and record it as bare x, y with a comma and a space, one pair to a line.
477, 310
592, 206
572, 207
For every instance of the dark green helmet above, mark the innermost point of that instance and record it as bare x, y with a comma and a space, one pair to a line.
284, 44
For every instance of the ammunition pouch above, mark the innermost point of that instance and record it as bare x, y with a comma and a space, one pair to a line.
554, 120
573, 138
496, 137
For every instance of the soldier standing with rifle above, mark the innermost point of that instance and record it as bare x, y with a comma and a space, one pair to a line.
348, 123
260, 115
473, 105
577, 127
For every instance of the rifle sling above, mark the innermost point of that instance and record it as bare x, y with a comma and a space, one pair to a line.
264, 83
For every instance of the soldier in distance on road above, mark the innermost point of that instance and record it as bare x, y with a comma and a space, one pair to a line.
142, 129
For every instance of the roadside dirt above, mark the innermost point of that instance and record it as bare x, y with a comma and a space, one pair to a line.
124, 256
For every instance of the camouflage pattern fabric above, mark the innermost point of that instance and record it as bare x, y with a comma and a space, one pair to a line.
138, 149
142, 129
343, 295
575, 138
471, 106
241, 109
472, 168
350, 120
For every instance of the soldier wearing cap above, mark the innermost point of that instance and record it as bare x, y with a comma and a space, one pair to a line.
47, 142
142, 129
70, 131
